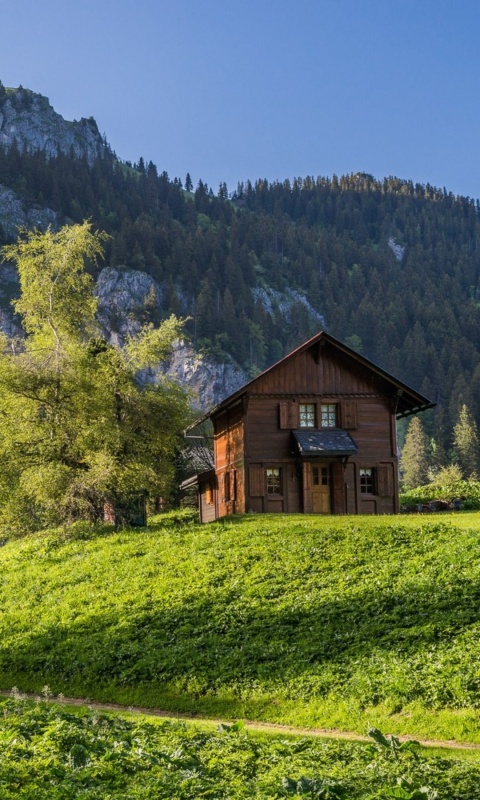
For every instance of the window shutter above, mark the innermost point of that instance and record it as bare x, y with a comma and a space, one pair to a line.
288, 415
226, 487
256, 475
349, 415
384, 481
293, 415
307, 488
283, 409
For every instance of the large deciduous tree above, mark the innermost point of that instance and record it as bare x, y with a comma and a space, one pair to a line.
80, 426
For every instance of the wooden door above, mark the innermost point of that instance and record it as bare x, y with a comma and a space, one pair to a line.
321, 489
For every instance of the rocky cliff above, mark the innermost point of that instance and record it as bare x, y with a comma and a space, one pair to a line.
129, 298
15, 214
29, 119
207, 381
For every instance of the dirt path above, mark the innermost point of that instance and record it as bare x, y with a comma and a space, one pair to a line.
267, 727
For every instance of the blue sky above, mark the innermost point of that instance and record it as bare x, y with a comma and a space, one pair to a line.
237, 89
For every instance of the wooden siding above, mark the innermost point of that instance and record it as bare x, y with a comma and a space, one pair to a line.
350, 480
332, 372
266, 439
207, 510
229, 461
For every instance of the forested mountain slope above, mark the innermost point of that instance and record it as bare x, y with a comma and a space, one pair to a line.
390, 267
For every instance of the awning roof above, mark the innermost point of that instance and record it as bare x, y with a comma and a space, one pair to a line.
331, 442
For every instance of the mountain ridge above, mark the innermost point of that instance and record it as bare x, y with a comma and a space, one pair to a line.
389, 266
28, 119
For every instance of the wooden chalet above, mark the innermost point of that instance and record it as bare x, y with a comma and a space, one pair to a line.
314, 433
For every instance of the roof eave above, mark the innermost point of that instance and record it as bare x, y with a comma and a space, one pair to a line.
417, 401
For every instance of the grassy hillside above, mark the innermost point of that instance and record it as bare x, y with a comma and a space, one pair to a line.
325, 622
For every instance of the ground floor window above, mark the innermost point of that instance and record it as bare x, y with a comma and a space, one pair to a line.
367, 480
274, 483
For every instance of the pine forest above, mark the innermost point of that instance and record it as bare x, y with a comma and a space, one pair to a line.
390, 267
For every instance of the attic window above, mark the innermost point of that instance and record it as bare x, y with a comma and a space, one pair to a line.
307, 415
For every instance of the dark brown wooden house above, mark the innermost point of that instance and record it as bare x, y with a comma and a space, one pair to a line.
314, 433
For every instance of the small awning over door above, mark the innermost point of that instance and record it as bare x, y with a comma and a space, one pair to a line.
325, 443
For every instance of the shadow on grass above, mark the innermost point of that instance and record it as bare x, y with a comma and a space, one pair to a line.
230, 642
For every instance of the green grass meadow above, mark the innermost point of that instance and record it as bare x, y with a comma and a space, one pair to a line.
50, 752
319, 622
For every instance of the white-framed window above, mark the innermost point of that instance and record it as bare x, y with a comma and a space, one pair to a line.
307, 415
328, 415
367, 480
274, 480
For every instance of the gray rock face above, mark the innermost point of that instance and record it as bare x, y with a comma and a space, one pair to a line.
13, 215
29, 119
126, 299
283, 302
9, 289
208, 382
397, 250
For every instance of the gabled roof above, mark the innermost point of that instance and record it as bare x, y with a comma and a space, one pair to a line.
409, 401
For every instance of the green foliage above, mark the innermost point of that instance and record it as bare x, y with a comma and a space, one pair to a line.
390, 746
78, 426
466, 443
404, 790
447, 476
51, 753
446, 486
56, 292
322, 789
341, 622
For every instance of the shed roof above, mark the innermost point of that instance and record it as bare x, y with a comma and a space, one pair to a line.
332, 442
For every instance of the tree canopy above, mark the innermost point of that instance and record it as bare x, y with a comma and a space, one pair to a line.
81, 423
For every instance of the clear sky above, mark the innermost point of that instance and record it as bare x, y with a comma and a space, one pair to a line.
237, 89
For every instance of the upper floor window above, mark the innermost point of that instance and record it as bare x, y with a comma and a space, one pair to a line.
366, 481
328, 415
307, 415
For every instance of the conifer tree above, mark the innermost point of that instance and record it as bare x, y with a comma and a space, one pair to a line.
414, 460
466, 443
